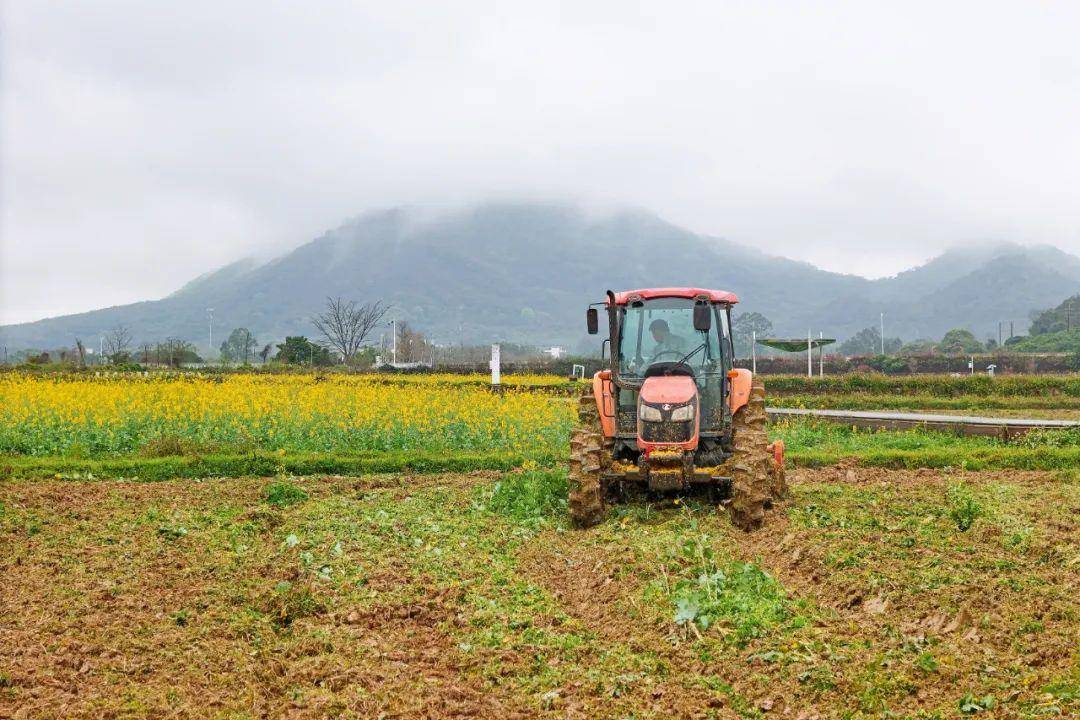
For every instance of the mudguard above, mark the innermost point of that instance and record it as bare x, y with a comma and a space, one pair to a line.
739, 381
605, 401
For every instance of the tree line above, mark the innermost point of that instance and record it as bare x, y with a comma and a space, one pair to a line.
345, 329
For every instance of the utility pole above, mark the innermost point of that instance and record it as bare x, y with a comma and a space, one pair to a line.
753, 351
821, 354
393, 350
999, 333
882, 333
809, 354
210, 314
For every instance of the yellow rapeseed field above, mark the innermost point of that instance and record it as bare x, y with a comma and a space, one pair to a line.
78, 415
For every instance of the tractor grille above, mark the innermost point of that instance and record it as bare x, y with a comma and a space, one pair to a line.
667, 432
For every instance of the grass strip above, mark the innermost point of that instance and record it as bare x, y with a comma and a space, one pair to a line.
989, 458
188, 466
868, 401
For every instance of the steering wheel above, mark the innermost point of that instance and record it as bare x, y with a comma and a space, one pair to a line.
677, 353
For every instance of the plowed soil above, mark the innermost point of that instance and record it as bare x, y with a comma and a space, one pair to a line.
907, 594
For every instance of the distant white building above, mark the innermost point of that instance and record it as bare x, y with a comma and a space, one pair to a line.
554, 352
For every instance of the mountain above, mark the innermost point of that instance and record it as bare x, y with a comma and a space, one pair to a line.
524, 272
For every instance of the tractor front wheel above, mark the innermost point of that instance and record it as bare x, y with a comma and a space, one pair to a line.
587, 461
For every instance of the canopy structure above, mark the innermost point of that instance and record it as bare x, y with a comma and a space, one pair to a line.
797, 344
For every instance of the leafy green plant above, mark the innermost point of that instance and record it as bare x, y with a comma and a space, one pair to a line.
970, 704
964, 509
528, 496
739, 594
926, 662
283, 494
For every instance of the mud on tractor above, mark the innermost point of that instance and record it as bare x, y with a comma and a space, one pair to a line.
670, 414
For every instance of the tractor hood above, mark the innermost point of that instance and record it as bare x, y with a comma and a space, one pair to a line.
668, 390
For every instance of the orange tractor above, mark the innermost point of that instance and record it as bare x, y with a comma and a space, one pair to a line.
671, 415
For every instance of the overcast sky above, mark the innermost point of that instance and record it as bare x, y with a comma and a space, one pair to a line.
144, 143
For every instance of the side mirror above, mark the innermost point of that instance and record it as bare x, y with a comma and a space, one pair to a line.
592, 320
702, 317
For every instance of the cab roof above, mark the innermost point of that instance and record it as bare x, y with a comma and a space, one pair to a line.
716, 296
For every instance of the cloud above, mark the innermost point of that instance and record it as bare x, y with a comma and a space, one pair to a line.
145, 143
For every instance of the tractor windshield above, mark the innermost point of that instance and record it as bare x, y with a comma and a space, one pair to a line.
661, 330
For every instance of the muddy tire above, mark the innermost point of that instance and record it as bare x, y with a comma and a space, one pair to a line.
757, 479
589, 456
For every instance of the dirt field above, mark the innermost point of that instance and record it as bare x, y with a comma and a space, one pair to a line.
870, 594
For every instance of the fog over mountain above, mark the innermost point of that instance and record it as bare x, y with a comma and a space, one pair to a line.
524, 272
144, 143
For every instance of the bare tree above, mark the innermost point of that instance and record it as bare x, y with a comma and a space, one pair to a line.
346, 325
412, 346
265, 352
175, 352
117, 342
82, 352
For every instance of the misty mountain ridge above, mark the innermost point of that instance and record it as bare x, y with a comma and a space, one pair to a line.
524, 272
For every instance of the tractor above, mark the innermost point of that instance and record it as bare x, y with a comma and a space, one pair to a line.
670, 415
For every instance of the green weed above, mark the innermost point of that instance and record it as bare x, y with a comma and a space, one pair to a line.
970, 704
528, 496
172, 532
288, 602
283, 494
964, 509
740, 595
926, 662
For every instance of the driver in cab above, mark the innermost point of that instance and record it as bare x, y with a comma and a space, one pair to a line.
667, 342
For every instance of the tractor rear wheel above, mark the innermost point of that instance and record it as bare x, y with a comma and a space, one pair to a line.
590, 455
757, 477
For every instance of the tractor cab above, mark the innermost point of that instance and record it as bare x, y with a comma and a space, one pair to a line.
670, 367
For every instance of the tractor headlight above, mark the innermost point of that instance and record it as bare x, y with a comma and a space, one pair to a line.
682, 414
649, 414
